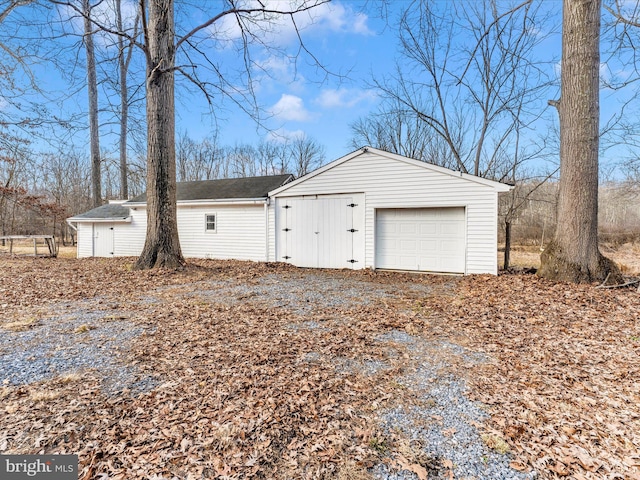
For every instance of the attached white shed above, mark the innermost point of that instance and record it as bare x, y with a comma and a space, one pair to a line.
97, 229
225, 219
374, 209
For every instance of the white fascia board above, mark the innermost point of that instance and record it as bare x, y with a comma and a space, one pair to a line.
196, 203
239, 201
99, 220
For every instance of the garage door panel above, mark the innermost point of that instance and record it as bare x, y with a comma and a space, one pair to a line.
449, 248
423, 239
429, 245
449, 228
408, 227
407, 245
428, 229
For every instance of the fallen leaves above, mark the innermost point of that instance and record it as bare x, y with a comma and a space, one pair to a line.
416, 468
563, 385
244, 388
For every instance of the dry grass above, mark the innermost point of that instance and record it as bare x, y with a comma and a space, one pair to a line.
496, 443
25, 248
20, 325
353, 471
84, 328
69, 378
67, 252
627, 256
43, 395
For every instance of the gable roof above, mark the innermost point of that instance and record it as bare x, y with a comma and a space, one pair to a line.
224, 189
111, 211
500, 187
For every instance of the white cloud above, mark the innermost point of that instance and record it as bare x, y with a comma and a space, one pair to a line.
282, 135
280, 69
605, 72
337, 17
279, 31
344, 97
290, 107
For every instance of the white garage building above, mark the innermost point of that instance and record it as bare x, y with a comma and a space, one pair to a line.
368, 209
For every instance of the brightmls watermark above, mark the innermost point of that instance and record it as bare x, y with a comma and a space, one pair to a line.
39, 467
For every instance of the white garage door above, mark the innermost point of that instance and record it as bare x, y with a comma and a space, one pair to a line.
321, 232
422, 239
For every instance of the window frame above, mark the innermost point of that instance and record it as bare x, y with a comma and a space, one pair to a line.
215, 223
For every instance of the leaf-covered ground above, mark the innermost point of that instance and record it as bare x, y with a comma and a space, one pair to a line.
246, 370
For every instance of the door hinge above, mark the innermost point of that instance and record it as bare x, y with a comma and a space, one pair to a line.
352, 205
286, 257
352, 261
286, 229
352, 230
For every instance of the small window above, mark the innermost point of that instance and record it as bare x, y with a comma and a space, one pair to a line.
210, 222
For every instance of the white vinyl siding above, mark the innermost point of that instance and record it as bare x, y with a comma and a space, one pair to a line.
271, 233
240, 232
106, 239
85, 240
129, 237
391, 183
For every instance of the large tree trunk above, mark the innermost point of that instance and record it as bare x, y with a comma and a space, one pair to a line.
124, 105
573, 254
162, 246
507, 244
92, 89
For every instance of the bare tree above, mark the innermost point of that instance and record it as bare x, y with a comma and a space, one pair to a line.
468, 106
306, 155
620, 45
162, 247
395, 129
472, 96
241, 160
573, 255
271, 158
125, 53
160, 46
92, 92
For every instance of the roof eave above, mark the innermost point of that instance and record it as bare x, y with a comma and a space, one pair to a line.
100, 220
209, 201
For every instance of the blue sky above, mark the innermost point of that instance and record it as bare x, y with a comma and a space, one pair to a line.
300, 98
352, 43
296, 97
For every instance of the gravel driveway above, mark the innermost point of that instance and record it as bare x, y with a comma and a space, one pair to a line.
440, 423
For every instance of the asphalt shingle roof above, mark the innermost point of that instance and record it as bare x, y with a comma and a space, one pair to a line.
227, 188
109, 211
